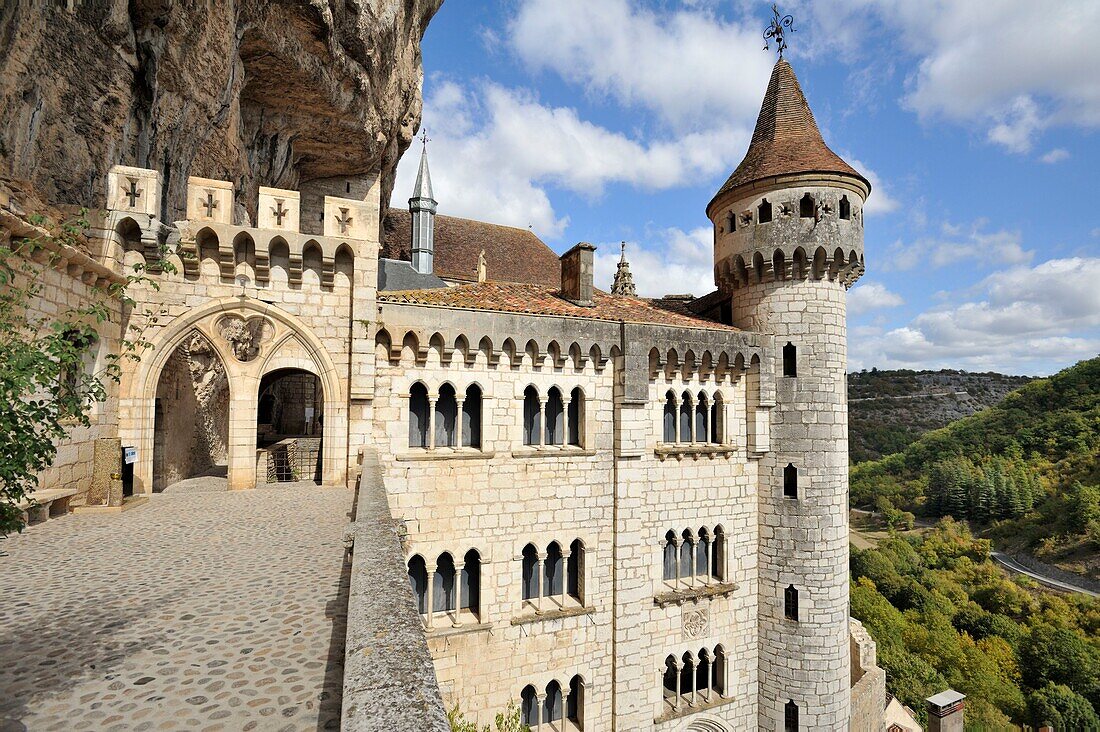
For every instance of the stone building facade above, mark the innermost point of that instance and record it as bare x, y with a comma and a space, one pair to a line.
619, 513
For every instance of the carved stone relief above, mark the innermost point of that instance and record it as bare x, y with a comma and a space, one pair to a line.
245, 337
695, 621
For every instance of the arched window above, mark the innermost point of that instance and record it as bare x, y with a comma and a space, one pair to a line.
806, 206
555, 417
718, 672
574, 709
553, 585
703, 674
717, 420
530, 572
469, 590
669, 679
764, 212
344, 266
790, 481
790, 361
574, 571
443, 590
312, 263
845, 208
529, 706
702, 554
790, 717
446, 413
278, 260
418, 578
418, 415
670, 557
670, 417
532, 417
687, 555
790, 603
687, 676
576, 416
471, 417
552, 704
731, 222
702, 411
718, 554
685, 417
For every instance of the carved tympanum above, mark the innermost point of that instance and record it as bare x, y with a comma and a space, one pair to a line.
245, 337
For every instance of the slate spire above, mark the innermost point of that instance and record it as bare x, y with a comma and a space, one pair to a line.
422, 206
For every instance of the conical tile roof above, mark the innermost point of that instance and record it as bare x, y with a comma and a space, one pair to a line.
786, 140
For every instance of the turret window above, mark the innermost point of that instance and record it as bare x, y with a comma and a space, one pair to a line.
790, 361
790, 603
764, 212
790, 481
790, 717
845, 208
806, 206
731, 222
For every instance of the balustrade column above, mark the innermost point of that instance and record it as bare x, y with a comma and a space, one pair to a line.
540, 580
679, 682
431, 421
458, 422
564, 576
431, 596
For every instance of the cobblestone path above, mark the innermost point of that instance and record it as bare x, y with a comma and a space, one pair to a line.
199, 610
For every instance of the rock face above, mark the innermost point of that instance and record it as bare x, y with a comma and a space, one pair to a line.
252, 91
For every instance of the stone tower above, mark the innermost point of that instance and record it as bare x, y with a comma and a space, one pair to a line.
788, 243
422, 207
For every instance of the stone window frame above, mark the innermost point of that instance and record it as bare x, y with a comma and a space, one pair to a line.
716, 569
680, 416
564, 403
686, 669
467, 602
557, 705
567, 596
447, 393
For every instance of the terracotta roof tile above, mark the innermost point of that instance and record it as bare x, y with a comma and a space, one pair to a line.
511, 255
786, 140
542, 300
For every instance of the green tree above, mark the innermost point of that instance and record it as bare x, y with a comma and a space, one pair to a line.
506, 721
1061, 707
45, 383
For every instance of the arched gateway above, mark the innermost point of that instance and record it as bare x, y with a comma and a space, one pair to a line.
193, 406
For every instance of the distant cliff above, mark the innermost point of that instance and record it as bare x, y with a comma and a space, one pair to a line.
253, 91
888, 410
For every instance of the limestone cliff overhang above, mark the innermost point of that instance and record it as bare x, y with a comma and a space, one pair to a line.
786, 146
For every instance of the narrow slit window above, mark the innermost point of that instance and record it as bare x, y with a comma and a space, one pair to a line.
790, 360
845, 208
790, 603
790, 717
790, 481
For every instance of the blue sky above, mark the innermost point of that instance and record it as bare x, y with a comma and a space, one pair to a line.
609, 120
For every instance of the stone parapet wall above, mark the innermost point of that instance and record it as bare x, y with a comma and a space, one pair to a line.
389, 680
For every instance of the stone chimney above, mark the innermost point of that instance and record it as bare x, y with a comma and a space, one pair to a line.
576, 274
945, 711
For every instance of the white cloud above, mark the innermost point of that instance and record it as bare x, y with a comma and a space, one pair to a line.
1056, 155
688, 66
1012, 67
668, 262
958, 244
880, 201
1027, 320
496, 150
870, 296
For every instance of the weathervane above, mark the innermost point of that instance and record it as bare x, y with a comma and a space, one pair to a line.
776, 30
424, 139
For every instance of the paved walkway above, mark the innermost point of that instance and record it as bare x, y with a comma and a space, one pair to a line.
204, 610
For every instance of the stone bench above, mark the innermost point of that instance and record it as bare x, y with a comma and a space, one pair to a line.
41, 505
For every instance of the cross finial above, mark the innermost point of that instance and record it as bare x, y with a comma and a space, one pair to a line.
424, 139
777, 29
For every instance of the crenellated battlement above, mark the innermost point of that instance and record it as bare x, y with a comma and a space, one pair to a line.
212, 241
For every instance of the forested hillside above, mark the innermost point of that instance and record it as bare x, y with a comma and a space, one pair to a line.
888, 410
944, 615
1025, 470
